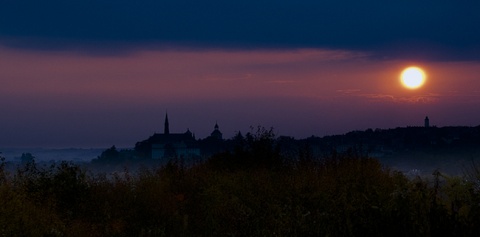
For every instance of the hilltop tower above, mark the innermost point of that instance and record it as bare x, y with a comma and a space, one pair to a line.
427, 122
166, 129
216, 132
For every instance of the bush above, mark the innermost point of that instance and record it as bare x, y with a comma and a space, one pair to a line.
344, 194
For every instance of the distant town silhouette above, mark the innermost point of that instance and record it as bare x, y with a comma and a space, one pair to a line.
389, 145
181, 185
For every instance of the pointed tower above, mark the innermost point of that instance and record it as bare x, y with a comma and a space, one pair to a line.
427, 122
216, 132
166, 129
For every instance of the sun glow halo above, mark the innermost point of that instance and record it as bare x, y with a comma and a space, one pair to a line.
413, 77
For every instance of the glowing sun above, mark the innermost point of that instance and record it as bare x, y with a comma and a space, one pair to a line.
413, 77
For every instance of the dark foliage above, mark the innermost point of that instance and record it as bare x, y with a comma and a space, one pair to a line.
251, 191
112, 156
258, 150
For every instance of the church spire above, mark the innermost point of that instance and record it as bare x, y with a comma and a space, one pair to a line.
166, 129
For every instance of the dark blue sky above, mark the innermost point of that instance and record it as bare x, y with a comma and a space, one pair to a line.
440, 30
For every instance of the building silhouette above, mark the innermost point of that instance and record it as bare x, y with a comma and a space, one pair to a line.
166, 129
427, 122
216, 134
166, 146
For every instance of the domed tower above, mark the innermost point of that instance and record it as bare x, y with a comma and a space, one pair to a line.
216, 133
427, 122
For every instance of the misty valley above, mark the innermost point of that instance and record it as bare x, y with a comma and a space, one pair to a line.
348, 84
412, 181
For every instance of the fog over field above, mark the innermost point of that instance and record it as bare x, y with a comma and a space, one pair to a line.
46, 155
411, 163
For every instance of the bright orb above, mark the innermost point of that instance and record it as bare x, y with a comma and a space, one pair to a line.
413, 77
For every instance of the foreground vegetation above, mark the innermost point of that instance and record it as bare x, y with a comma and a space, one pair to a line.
252, 191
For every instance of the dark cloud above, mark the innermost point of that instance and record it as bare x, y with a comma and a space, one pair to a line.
443, 30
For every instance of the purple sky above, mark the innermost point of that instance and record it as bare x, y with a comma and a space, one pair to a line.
74, 80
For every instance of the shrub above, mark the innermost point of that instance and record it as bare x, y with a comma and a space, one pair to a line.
343, 194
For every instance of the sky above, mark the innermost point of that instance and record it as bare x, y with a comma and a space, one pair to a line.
102, 73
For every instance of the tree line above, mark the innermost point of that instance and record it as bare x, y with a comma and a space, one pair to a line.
253, 190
